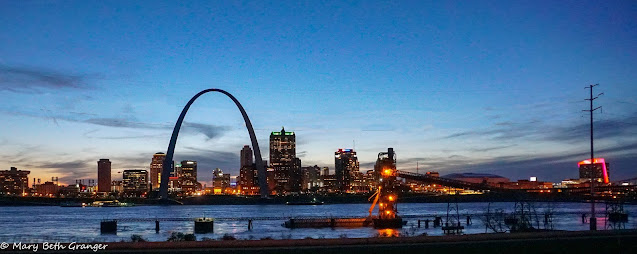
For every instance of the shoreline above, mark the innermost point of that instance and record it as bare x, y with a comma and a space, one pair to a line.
327, 199
620, 241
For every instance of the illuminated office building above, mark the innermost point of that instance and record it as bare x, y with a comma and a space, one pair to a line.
287, 168
135, 182
14, 181
188, 177
345, 169
156, 166
600, 170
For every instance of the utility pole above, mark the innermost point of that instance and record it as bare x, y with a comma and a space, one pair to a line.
593, 220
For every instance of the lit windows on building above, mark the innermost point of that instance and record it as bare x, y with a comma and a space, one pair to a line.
135, 182
287, 167
14, 181
600, 170
188, 177
156, 166
346, 169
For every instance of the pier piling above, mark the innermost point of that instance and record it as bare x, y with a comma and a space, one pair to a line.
437, 221
108, 227
204, 225
157, 226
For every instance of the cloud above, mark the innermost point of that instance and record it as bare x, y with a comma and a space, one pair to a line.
504, 131
211, 131
208, 159
122, 123
65, 165
126, 137
487, 149
67, 171
608, 128
30, 79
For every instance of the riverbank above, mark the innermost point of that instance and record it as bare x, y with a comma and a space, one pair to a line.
624, 241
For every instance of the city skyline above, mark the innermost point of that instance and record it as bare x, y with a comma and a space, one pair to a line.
454, 86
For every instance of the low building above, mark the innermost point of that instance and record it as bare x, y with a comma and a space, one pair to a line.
220, 181
117, 186
311, 178
478, 178
527, 185
70, 191
47, 189
14, 181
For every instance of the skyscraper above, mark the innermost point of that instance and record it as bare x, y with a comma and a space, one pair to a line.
103, 175
188, 176
246, 156
287, 168
345, 168
248, 176
156, 166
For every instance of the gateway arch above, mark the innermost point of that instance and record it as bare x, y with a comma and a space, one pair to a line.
165, 173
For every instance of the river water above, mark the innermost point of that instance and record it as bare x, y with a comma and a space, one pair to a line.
82, 224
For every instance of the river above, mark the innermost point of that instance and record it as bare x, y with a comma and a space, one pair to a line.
82, 224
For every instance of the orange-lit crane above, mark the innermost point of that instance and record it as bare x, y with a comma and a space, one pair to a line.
386, 197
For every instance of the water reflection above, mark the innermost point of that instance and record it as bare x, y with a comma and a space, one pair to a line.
388, 232
67, 224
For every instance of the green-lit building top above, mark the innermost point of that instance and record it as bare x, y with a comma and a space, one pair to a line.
278, 133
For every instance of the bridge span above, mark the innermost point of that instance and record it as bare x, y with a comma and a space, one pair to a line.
448, 182
482, 186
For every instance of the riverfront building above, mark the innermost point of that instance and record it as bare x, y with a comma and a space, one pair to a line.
345, 169
188, 177
246, 156
135, 182
47, 189
156, 166
14, 181
599, 171
248, 181
478, 178
220, 181
312, 178
287, 168
103, 175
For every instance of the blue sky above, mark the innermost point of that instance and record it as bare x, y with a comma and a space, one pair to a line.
466, 86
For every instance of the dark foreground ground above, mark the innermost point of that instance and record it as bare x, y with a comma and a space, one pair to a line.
615, 242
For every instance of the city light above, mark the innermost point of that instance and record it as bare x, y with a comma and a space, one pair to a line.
601, 161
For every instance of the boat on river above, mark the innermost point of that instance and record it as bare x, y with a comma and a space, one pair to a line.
111, 203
